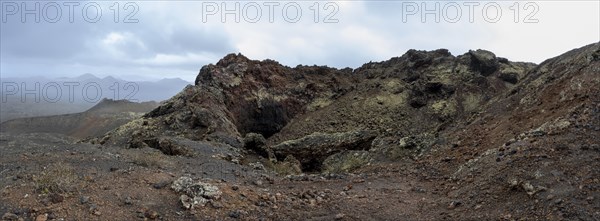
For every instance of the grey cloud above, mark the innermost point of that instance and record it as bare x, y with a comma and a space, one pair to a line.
38, 40
370, 30
38, 44
192, 40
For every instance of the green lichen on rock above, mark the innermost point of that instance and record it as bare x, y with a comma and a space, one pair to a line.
346, 161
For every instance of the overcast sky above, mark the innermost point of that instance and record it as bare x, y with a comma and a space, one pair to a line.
175, 39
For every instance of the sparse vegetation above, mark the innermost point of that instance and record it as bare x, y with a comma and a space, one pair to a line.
57, 178
153, 159
346, 162
290, 166
285, 169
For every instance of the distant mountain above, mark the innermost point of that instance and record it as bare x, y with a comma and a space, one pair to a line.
40, 96
84, 77
173, 81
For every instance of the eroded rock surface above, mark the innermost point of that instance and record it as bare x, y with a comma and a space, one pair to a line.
195, 193
313, 149
237, 99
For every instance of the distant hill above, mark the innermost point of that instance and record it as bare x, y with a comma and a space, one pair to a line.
32, 97
106, 115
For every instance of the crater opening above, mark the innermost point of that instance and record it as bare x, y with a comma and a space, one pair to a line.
266, 118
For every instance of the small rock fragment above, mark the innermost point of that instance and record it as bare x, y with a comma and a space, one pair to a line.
189, 202
10, 216
558, 201
454, 204
56, 198
181, 184
528, 188
84, 199
257, 166
339, 216
160, 185
235, 214
94, 210
151, 214
216, 205
42, 217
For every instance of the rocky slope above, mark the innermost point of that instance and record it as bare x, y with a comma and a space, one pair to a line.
417, 94
533, 151
424, 136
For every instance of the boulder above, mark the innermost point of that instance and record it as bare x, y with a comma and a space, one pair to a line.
484, 62
313, 149
195, 193
257, 143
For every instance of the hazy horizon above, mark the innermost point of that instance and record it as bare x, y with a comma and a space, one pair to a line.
99, 77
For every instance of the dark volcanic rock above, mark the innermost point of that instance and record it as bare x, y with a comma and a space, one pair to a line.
257, 143
419, 92
313, 149
234, 97
164, 144
509, 77
484, 62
